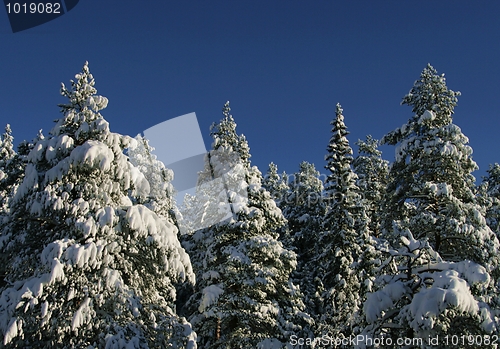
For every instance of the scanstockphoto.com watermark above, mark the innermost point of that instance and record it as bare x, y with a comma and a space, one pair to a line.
365, 341
310, 198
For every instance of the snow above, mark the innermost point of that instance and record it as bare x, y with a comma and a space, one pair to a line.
106, 216
57, 172
210, 295
82, 315
87, 255
97, 103
449, 149
88, 227
94, 154
113, 279
427, 115
11, 332
118, 341
448, 290
45, 306
140, 184
30, 182
380, 301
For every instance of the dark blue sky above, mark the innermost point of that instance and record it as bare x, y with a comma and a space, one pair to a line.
282, 64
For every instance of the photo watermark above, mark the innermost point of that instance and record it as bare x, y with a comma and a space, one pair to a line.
178, 143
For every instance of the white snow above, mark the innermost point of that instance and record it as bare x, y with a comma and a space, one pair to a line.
82, 315
106, 216
94, 154
382, 300
210, 295
427, 115
97, 103
11, 332
447, 290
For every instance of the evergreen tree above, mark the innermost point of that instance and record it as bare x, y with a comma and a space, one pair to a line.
279, 187
276, 184
426, 300
342, 268
492, 182
304, 209
433, 215
431, 189
243, 296
12, 166
161, 194
372, 172
7, 154
86, 266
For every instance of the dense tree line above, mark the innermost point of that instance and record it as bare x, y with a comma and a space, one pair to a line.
366, 255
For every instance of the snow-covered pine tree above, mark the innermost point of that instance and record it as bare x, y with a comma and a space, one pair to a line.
426, 300
244, 298
431, 188
342, 268
372, 172
276, 184
7, 153
161, 195
86, 266
304, 210
431, 212
13, 166
492, 182
9, 174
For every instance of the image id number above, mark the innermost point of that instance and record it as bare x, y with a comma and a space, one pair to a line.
33, 7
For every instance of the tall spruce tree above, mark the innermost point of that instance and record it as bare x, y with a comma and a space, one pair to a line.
243, 296
439, 278
431, 189
492, 195
279, 187
304, 209
86, 266
372, 172
276, 184
342, 268
7, 155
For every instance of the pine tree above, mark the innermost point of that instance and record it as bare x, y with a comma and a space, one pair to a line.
276, 184
431, 188
86, 266
342, 269
7, 153
442, 249
304, 207
243, 297
426, 300
372, 172
492, 182
304, 210
161, 194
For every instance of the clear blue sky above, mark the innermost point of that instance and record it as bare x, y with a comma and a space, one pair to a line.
282, 64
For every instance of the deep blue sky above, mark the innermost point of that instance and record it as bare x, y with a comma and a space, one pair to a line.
282, 64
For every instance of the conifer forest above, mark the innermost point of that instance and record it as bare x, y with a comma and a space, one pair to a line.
96, 252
